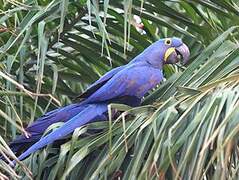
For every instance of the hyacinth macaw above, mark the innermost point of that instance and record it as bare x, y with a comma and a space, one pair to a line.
125, 84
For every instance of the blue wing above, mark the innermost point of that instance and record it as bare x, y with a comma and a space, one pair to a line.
99, 83
63, 114
128, 82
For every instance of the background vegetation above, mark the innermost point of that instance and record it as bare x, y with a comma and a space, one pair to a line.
186, 128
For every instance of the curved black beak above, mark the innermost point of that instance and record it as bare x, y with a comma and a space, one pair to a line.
183, 52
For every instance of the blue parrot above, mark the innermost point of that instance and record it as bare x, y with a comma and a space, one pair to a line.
125, 84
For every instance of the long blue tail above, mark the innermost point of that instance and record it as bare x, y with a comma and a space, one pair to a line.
38, 127
90, 113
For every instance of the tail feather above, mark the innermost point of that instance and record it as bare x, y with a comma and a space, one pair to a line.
21, 142
59, 115
89, 114
38, 127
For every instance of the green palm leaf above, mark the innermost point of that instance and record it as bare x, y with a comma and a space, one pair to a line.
186, 128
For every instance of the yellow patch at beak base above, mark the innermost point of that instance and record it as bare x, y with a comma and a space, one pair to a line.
168, 52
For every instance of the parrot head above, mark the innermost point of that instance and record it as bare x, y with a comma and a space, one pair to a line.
166, 51
175, 51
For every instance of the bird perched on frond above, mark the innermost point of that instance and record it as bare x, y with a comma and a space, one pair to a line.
125, 84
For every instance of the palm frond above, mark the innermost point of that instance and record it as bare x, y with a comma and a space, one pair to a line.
186, 128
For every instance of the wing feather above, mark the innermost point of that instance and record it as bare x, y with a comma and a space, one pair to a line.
99, 83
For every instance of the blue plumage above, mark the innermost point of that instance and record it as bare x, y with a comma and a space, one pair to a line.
90, 113
126, 84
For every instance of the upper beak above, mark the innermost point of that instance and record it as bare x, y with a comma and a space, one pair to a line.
184, 52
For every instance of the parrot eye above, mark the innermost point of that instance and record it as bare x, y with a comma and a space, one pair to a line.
167, 41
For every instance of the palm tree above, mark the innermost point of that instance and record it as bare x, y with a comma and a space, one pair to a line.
185, 129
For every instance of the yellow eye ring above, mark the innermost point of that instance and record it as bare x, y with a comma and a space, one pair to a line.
167, 41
